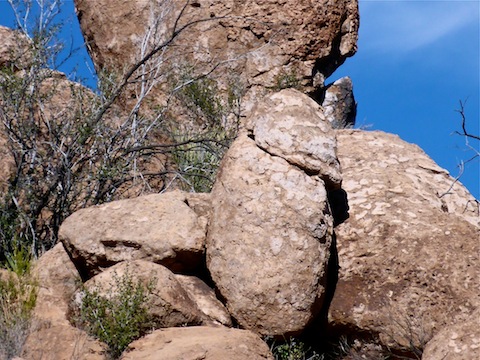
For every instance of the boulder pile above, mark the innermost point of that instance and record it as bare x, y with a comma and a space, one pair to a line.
309, 231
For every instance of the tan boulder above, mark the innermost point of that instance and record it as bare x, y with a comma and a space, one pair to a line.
269, 240
168, 305
292, 126
204, 297
409, 253
260, 42
460, 341
198, 342
160, 228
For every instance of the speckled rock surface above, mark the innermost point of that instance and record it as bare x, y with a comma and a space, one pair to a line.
160, 228
339, 104
308, 143
261, 42
270, 232
409, 255
460, 341
198, 342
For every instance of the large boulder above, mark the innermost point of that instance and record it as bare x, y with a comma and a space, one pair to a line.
270, 234
409, 253
198, 342
261, 42
161, 228
168, 303
291, 126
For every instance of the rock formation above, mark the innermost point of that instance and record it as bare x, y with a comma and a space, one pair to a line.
270, 231
339, 104
159, 228
260, 251
52, 336
409, 249
257, 41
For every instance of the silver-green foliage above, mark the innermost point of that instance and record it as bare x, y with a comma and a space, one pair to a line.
117, 315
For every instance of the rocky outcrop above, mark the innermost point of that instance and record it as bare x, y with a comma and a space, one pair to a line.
460, 341
339, 104
168, 304
270, 231
408, 251
260, 42
191, 343
14, 49
161, 228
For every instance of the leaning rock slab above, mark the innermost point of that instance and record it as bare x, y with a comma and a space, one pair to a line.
198, 342
410, 251
205, 299
269, 240
168, 305
160, 228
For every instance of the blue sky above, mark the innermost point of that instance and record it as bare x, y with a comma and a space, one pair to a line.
416, 60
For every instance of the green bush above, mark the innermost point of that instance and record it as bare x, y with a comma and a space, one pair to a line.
294, 349
118, 315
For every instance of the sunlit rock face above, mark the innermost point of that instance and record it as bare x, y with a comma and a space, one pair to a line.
410, 250
258, 44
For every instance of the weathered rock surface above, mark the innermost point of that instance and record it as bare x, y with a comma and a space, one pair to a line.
57, 280
198, 342
290, 125
62, 342
14, 48
204, 297
339, 104
52, 336
270, 234
459, 341
169, 305
266, 40
160, 228
408, 254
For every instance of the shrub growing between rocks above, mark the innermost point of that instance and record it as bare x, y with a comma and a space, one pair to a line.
118, 318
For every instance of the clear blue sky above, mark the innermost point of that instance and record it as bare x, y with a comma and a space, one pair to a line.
416, 60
